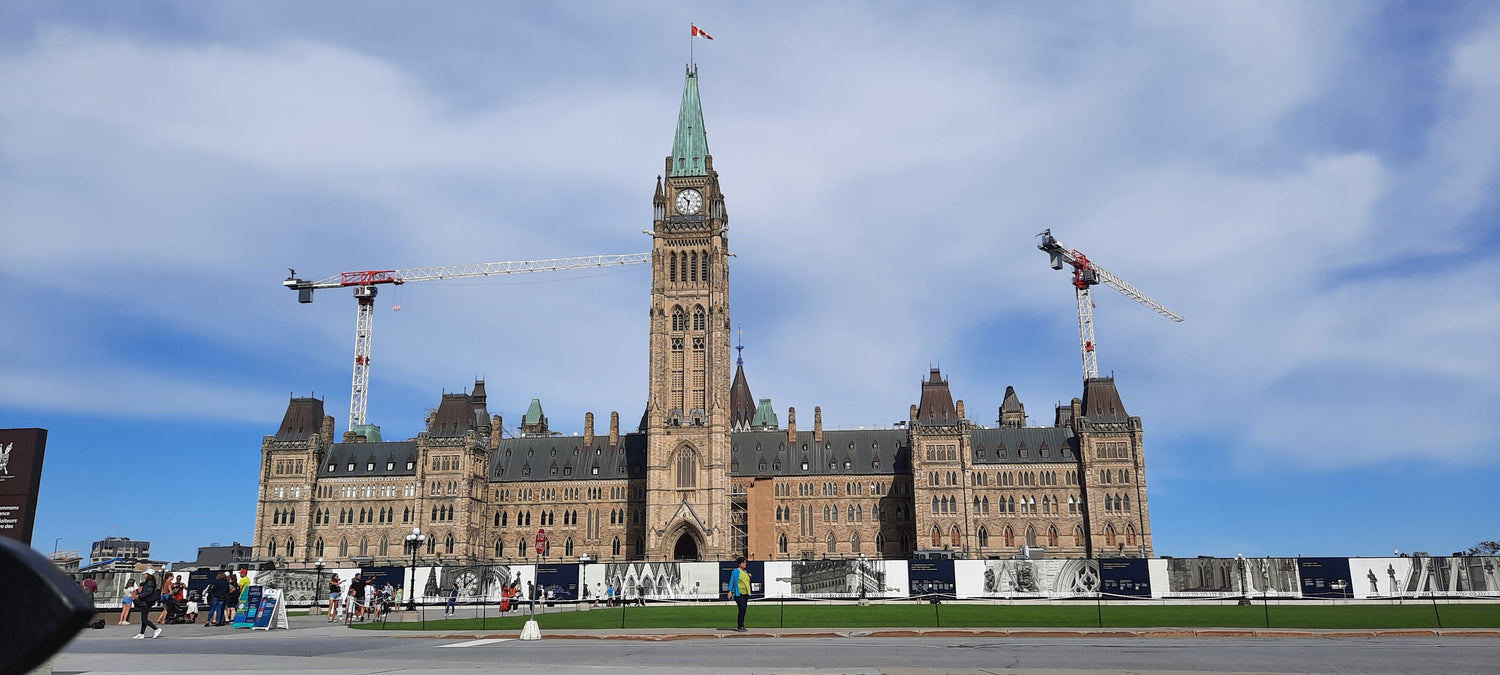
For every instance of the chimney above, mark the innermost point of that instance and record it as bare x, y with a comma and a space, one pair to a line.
351, 437
431, 419
817, 424
791, 425
913, 412
495, 423
614, 429
327, 431
588, 430
960, 406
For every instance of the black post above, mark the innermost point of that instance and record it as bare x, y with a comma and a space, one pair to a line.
1264, 602
937, 610
783, 612
1432, 593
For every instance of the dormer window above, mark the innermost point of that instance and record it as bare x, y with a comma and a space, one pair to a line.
594, 471
804, 465
410, 465
525, 471
567, 471
351, 466
390, 465
370, 466
332, 467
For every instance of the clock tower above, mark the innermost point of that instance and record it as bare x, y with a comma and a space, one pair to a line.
687, 416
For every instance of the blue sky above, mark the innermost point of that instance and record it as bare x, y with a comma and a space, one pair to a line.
1312, 185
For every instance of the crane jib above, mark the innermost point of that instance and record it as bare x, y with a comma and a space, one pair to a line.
368, 277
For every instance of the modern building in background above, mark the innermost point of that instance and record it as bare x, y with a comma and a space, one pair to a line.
708, 472
126, 549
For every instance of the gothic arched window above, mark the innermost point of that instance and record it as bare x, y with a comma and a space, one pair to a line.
833, 544
854, 542
673, 274
879, 542
1051, 536
343, 548
568, 548
781, 543
953, 537
1109, 534
687, 468
698, 321
984, 537
499, 547
693, 274
679, 319
319, 547
448, 544
271, 547
616, 546
937, 537
1009, 537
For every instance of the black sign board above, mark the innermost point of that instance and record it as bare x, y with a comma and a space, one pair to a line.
757, 570
20, 477
1125, 576
931, 577
1325, 577
561, 579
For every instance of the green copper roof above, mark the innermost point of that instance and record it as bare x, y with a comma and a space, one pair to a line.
369, 431
764, 415
533, 413
690, 146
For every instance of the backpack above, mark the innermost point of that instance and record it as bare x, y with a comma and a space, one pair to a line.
97, 625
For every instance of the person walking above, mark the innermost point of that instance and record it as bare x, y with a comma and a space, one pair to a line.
145, 597
333, 597
215, 595
125, 601
739, 590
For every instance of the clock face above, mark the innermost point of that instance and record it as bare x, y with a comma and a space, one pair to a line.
689, 202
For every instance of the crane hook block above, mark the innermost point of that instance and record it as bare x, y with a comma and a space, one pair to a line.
304, 295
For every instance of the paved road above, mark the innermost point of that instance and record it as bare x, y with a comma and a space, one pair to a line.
333, 649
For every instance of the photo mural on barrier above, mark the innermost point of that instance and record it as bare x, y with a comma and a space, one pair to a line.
298, 587
1048, 578
658, 580
1128, 577
839, 578
1325, 577
1271, 577
1202, 578
1453, 576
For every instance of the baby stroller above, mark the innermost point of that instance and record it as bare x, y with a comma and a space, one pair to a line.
176, 610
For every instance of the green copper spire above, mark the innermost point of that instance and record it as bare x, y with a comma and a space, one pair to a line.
690, 146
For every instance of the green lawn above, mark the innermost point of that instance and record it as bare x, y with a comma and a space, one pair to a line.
772, 615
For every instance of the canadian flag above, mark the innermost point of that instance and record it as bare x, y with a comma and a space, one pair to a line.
699, 32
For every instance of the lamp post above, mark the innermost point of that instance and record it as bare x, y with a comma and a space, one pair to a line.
414, 543
318, 588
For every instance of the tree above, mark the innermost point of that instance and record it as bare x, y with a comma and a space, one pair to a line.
1485, 548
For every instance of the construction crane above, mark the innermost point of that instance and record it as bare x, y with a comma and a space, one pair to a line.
1087, 273
365, 283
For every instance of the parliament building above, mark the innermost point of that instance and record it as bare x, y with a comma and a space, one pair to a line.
709, 472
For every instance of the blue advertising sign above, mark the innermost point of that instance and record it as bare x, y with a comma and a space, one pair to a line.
1325, 577
265, 611
244, 615
1125, 576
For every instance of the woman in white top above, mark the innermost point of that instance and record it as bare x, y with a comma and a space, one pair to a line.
125, 601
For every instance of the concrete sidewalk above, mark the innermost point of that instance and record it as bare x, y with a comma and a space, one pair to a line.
669, 634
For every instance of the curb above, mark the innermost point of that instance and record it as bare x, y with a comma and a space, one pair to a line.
987, 633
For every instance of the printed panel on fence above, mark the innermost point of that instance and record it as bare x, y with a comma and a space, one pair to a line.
653, 580
475, 582
558, 581
1050, 578
1422, 576
757, 570
1325, 577
1125, 577
931, 577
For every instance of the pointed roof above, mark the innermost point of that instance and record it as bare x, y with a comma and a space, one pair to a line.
765, 415
304, 417
1101, 401
533, 413
741, 404
936, 407
690, 145
1012, 403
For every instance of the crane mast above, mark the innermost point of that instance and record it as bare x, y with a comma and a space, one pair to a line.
1086, 274
365, 284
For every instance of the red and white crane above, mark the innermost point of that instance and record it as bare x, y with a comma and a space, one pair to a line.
1087, 273
364, 285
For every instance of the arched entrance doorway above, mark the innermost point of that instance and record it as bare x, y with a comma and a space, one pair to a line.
686, 547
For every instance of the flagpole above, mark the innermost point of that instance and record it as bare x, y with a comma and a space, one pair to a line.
691, 45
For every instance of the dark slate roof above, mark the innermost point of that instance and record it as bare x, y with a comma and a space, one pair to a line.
1064, 416
566, 458
1003, 446
394, 454
1012, 403
741, 403
1101, 401
304, 417
936, 407
823, 459
458, 414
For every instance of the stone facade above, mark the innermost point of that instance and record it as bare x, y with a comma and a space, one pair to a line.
707, 473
